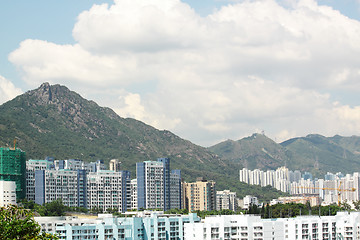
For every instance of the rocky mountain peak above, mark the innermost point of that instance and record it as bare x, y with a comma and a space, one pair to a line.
50, 94
43, 94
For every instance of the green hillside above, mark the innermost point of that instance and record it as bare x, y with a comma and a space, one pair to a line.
327, 155
54, 121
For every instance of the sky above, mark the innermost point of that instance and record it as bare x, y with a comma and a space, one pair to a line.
206, 70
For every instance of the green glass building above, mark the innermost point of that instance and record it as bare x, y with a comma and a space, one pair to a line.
13, 168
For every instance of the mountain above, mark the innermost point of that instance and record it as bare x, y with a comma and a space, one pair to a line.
54, 121
328, 154
313, 153
256, 151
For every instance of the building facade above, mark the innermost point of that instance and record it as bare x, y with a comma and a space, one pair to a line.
226, 200
31, 166
200, 195
115, 165
344, 225
157, 187
248, 201
13, 168
107, 189
175, 190
67, 185
133, 194
7, 193
78, 184
152, 226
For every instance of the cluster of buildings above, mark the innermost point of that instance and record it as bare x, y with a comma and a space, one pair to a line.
137, 226
92, 186
333, 188
156, 225
156, 186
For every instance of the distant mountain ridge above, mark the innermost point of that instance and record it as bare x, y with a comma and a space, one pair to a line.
54, 121
313, 153
50, 119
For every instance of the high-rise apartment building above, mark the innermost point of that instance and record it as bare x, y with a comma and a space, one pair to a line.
166, 173
151, 185
13, 168
67, 185
154, 185
200, 195
133, 194
109, 190
31, 166
175, 190
78, 184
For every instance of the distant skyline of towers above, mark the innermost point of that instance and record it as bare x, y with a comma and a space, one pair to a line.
296, 183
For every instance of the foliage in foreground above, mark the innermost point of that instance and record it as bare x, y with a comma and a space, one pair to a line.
18, 223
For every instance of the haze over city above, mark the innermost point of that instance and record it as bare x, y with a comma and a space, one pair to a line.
205, 70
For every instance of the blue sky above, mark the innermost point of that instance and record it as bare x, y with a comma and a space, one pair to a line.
263, 54
54, 20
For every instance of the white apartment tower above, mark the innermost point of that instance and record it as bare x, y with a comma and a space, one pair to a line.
226, 200
151, 185
64, 184
133, 194
108, 190
31, 167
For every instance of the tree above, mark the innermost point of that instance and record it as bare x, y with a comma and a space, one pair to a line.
346, 206
18, 223
96, 210
55, 208
357, 205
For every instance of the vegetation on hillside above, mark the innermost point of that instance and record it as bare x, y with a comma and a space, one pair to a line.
54, 121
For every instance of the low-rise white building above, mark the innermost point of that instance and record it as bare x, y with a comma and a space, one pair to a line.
142, 225
344, 225
7, 193
234, 227
226, 200
249, 200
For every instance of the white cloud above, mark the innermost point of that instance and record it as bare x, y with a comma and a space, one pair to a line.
131, 107
249, 65
7, 90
